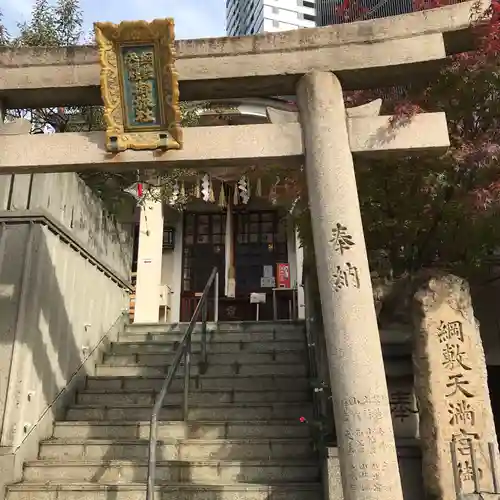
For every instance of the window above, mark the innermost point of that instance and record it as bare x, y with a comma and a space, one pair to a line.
308, 4
276, 24
260, 241
204, 243
276, 10
309, 17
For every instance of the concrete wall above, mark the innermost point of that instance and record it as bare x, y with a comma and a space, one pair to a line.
64, 263
68, 199
56, 306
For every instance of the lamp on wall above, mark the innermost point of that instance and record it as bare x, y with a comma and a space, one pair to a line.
168, 238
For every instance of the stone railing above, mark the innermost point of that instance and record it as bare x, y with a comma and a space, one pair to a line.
71, 203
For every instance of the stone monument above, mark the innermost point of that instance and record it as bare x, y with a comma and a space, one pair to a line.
459, 443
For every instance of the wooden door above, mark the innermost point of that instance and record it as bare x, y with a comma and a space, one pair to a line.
203, 249
260, 240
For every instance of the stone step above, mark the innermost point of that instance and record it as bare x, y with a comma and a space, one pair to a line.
393, 368
241, 358
231, 411
201, 383
221, 347
190, 449
193, 471
147, 397
397, 350
213, 337
183, 430
223, 327
213, 370
179, 491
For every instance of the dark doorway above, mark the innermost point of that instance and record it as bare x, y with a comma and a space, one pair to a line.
203, 249
494, 388
260, 239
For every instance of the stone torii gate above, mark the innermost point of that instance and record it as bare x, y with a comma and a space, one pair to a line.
314, 64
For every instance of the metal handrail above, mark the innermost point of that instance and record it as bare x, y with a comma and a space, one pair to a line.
184, 349
321, 396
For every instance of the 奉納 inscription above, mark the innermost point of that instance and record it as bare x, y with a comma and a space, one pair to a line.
346, 276
341, 239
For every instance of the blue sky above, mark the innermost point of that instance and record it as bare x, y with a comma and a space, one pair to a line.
193, 18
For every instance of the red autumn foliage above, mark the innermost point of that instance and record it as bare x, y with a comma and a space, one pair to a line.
445, 211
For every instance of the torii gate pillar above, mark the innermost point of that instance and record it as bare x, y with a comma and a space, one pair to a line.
368, 459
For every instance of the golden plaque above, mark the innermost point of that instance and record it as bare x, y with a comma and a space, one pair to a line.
139, 85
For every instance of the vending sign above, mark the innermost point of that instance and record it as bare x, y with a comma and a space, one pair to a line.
283, 273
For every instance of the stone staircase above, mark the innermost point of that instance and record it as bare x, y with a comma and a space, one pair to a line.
243, 440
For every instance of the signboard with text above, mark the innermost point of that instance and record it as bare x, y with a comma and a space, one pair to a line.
139, 85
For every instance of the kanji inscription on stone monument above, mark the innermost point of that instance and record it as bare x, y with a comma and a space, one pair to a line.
456, 421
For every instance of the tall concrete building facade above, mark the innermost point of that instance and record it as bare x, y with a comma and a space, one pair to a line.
338, 11
246, 17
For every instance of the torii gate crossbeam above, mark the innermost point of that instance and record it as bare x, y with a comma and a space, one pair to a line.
364, 54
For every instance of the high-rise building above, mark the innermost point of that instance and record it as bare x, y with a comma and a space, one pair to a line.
340, 11
246, 17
